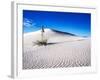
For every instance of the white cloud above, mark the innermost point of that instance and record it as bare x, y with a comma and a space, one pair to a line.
28, 23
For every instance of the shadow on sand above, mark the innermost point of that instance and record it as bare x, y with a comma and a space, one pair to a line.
53, 43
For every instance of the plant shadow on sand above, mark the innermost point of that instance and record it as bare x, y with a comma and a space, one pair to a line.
45, 43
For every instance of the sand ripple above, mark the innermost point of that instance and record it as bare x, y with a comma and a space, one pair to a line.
68, 54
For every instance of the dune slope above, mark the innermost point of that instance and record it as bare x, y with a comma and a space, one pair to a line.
69, 51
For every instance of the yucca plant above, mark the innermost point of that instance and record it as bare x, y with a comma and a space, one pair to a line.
43, 41
42, 33
40, 43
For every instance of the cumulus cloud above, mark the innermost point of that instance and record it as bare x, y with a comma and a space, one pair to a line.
28, 23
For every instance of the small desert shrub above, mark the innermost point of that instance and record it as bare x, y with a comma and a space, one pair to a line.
41, 42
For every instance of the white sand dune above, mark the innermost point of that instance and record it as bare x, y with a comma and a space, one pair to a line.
69, 51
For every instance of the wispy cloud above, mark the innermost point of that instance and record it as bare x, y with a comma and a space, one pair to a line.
28, 23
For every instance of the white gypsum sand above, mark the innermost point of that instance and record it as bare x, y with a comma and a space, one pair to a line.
64, 50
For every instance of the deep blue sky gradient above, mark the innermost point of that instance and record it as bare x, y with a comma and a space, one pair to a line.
76, 23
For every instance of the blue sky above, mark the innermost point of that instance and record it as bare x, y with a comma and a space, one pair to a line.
76, 23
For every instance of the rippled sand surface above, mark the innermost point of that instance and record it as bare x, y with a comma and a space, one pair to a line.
67, 54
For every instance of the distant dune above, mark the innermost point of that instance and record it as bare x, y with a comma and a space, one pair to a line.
68, 50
